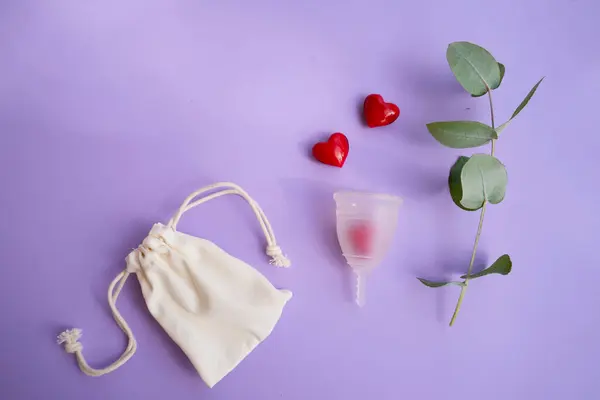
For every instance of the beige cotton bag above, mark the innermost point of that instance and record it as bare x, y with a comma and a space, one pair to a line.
214, 306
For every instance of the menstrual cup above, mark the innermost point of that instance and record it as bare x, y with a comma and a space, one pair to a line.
366, 223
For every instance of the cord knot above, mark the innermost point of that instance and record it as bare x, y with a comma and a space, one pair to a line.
70, 338
277, 257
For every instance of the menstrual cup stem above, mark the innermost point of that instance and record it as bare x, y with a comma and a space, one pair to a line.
360, 289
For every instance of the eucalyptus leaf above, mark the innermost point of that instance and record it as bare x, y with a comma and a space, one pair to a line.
527, 98
454, 181
502, 266
502, 71
483, 178
520, 107
433, 284
474, 67
461, 134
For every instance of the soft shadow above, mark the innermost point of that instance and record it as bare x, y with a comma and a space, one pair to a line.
410, 178
193, 221
451, 251
131, 239
418, 182
315, 201
429, 93
441, 305
307, 144
459, 265
360, 106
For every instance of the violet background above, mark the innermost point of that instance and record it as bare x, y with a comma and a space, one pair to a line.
112, 111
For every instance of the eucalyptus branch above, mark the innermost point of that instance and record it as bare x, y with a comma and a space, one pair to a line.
480, 179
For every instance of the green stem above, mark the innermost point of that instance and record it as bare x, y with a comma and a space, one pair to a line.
463, 290
491, 110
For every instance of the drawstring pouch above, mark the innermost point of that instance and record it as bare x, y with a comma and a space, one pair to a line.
214, 306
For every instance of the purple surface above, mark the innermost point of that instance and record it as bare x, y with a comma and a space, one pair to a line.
112, 111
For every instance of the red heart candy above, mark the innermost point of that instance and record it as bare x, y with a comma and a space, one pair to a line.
334, 151
379, 113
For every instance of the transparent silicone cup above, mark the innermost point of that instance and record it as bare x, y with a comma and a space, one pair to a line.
366, 223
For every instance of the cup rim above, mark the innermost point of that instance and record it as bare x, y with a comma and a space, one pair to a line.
378, 196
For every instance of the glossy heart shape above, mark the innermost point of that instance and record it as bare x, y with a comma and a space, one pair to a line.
334, 151
379, 113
